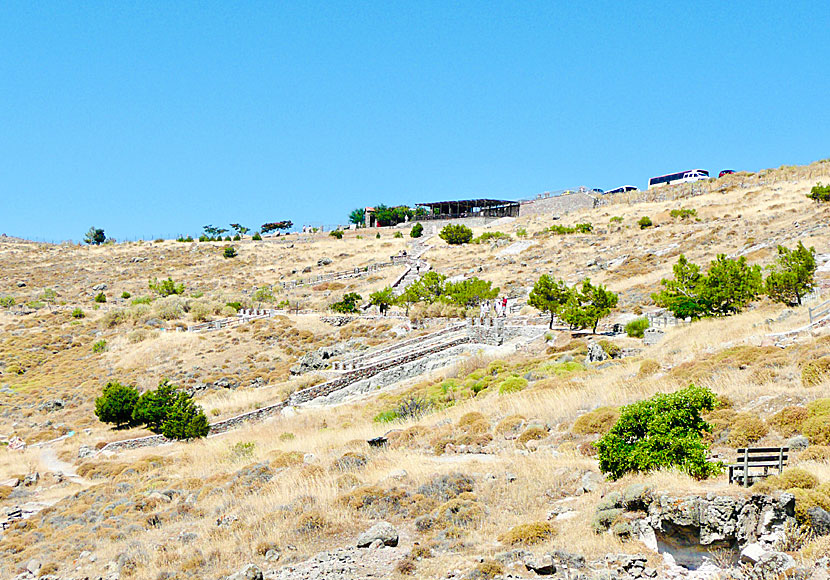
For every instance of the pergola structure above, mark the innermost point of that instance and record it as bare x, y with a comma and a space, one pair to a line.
469, 208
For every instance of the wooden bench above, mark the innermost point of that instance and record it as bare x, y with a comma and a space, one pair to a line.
757, 458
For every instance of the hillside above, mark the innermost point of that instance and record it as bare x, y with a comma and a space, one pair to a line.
503, 431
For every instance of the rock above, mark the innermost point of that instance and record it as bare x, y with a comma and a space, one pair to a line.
273, 555
542, 565
652, 336
397, 474
21, 284
33, 566
31, 479
590, 481
186, 537
595, 353
249, 572
383, 531
774, 564
751, 553
819, 521
51, 405
84, 451
99, 287
226, 520
798, 443
324, 261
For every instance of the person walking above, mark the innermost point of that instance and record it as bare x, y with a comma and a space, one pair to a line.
498, 308
485, 308
504, 307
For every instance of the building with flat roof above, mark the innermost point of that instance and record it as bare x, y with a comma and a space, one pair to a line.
469, 208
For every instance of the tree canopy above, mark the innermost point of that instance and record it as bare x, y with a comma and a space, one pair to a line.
95, 236
793, 275
549, 295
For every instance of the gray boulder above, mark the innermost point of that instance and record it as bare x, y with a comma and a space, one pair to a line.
249, 572
819, 521
798, 443
595, 353
383, 531
543, 565
324, 261
652, 336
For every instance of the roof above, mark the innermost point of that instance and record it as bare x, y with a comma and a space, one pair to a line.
470, 202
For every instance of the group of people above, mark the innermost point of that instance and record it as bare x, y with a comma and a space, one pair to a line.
499, 304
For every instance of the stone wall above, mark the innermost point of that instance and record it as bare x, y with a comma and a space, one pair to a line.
561, 204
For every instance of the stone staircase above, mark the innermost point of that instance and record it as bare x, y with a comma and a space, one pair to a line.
417, 266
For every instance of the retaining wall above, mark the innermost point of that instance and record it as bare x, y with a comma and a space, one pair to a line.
560, 204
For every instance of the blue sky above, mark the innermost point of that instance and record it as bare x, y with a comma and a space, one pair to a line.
153, 119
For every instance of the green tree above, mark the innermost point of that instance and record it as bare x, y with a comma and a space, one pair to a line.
683, 295
240, 229
357, 216
470, 292
230, 252
456, 234
152, 407
549, 295
587, 304
661, 432
95, 236
417, 230
730, 285
273, 226
644, 222
348, 304
116, 404
383, 299
185, 419
793, 275
336, 234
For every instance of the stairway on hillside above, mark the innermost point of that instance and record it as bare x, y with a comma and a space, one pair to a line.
417, 266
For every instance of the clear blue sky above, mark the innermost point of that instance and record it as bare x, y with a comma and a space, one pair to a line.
153, 119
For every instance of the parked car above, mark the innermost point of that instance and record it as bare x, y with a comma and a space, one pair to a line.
622, 189
726, 172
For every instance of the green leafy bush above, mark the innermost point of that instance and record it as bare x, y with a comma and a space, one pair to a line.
683, 213
417, 230
256, 237
95, 236
336, 234
616, 219
487, 236
116, 404
645, 222
229, 252
170, 412
512, 385
661, 432
142, 300
585, 228
99, 346
166, 287
348, 304
456, 234
125, 295
819, 193
7, 301
637, 327
587, 304
77, 313
521, 233
100, 298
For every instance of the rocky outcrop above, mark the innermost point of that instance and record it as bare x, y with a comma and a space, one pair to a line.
383, 532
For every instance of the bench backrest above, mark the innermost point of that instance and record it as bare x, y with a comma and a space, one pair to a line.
763, 456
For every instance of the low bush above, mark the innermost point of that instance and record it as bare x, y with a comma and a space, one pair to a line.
488, 236
644, 222
100, 298
788, 421
683, 213
819, 193
166, 287
585, 228
521, 233
116, 404
818, 407
647, 368
77, 313
815, 372
616, 219
348, 304
336, 234
637, 327
99, 346
229, 252
512, 385
125, 295
510, 425
817, 429
531, 434
818, 453
463, 513
417, 231
528, 534
456, 234
598, 421
256, 237
487, 570
795, 477
746, 428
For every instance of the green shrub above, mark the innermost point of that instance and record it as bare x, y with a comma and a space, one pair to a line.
116, 404
377, 235
585, 228
644, 222
598, 421
611, 349
142, 300
99, 346
417, 230
792, 276
817, 429
637, 327
398, 235
237, 238
385, 416
171, 412
166, 287
528, 534
512, 385
616, 220
487, 236
100, 298
348, 304
256, 237
77, 313
818, 407
521, 233
660, 432
7, 301
683, 213
336, 234
456, 234
819, 193
229, 252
